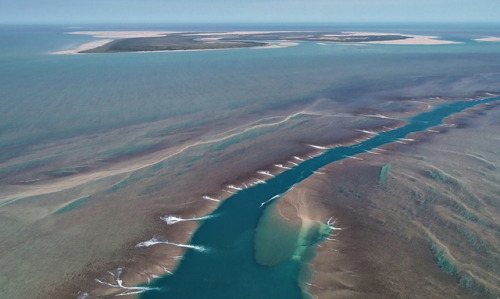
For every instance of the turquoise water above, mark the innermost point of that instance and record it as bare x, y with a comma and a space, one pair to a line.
227, 268
45, 98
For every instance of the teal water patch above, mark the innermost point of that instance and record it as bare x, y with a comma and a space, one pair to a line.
229, 268
4, 171
384, 171
276, 239
76, 204
128, 151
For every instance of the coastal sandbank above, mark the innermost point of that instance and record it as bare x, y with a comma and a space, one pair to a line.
411, 40
488, 39
278, 45
84, 47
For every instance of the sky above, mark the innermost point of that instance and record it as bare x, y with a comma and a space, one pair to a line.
247, 11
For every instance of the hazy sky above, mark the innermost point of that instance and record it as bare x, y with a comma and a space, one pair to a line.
221, 11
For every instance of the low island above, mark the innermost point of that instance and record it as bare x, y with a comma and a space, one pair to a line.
174, 42
229, 40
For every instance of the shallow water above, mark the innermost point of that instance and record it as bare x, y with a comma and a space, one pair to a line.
53, 97
228, 267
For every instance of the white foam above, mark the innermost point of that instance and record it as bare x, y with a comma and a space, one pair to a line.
83, 295
331, 224
265, 172
234, 187
172, 219
353, 157
433, 131
274, 197
317, 146
281, 166
378, 115
150, 275
293, 163
371, 152
131, 293
210, 198
155, 241
318, 172
298, 158
119, 285
368, 132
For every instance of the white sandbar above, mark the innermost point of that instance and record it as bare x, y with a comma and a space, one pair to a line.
411, 40
86, 46
277, 45
488, 39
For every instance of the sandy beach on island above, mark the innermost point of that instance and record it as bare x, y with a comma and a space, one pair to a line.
107, 37
415, 40
278, 45
412, 40
488, 39
84, 47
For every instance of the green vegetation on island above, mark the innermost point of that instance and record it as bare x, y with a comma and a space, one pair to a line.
202, 41
168, 43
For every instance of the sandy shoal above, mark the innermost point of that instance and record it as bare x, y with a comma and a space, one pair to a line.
235, 32
488, 39
415, 40
411, 40
278, 45
84, 47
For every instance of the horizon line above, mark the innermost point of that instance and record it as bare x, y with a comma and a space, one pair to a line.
253, 23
